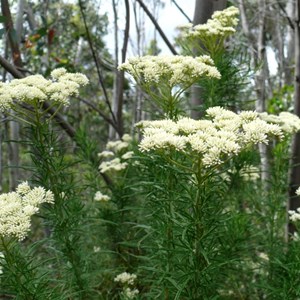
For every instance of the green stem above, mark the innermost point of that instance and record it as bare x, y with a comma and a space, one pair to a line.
200, 260
19, 273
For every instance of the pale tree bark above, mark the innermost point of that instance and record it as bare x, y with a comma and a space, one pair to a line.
203, 11
30, 16
112, 131
79, 50
260, 83
257, 47
13, 128
289, 63
20, 20
294, 201
121, 74
279, 47
118, 89
139, 21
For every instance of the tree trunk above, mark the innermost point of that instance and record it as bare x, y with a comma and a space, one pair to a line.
112, 131
289, 61
19, 20
14, 39
203, 11
294, 201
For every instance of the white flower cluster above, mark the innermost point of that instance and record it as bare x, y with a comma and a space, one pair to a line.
113, 150
36, 88
294, 215
263, 256
175, 70
288, 122
127, 280
223, 135
129, 293
101, 197
16, 209
221, 24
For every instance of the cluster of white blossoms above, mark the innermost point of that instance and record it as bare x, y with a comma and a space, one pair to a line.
16, 209
127, 280
221, 24
130, 293
101, 197
34, 88
175, 70
116, 155
222, 135
294, 215
288, 122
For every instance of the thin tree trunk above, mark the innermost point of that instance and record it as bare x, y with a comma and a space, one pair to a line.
289, 61
294, 201
19, 21
258, 56
260, 82
112, 131
118, 99
14, 39
30, 17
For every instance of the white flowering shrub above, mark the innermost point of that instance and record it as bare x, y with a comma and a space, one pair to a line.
197, 161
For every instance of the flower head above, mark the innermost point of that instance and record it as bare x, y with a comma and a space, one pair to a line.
214, 140
18, 207
172, 70
37, 88
125, 278
221, 24
101, 197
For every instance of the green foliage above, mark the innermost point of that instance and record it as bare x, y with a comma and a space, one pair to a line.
282, 100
